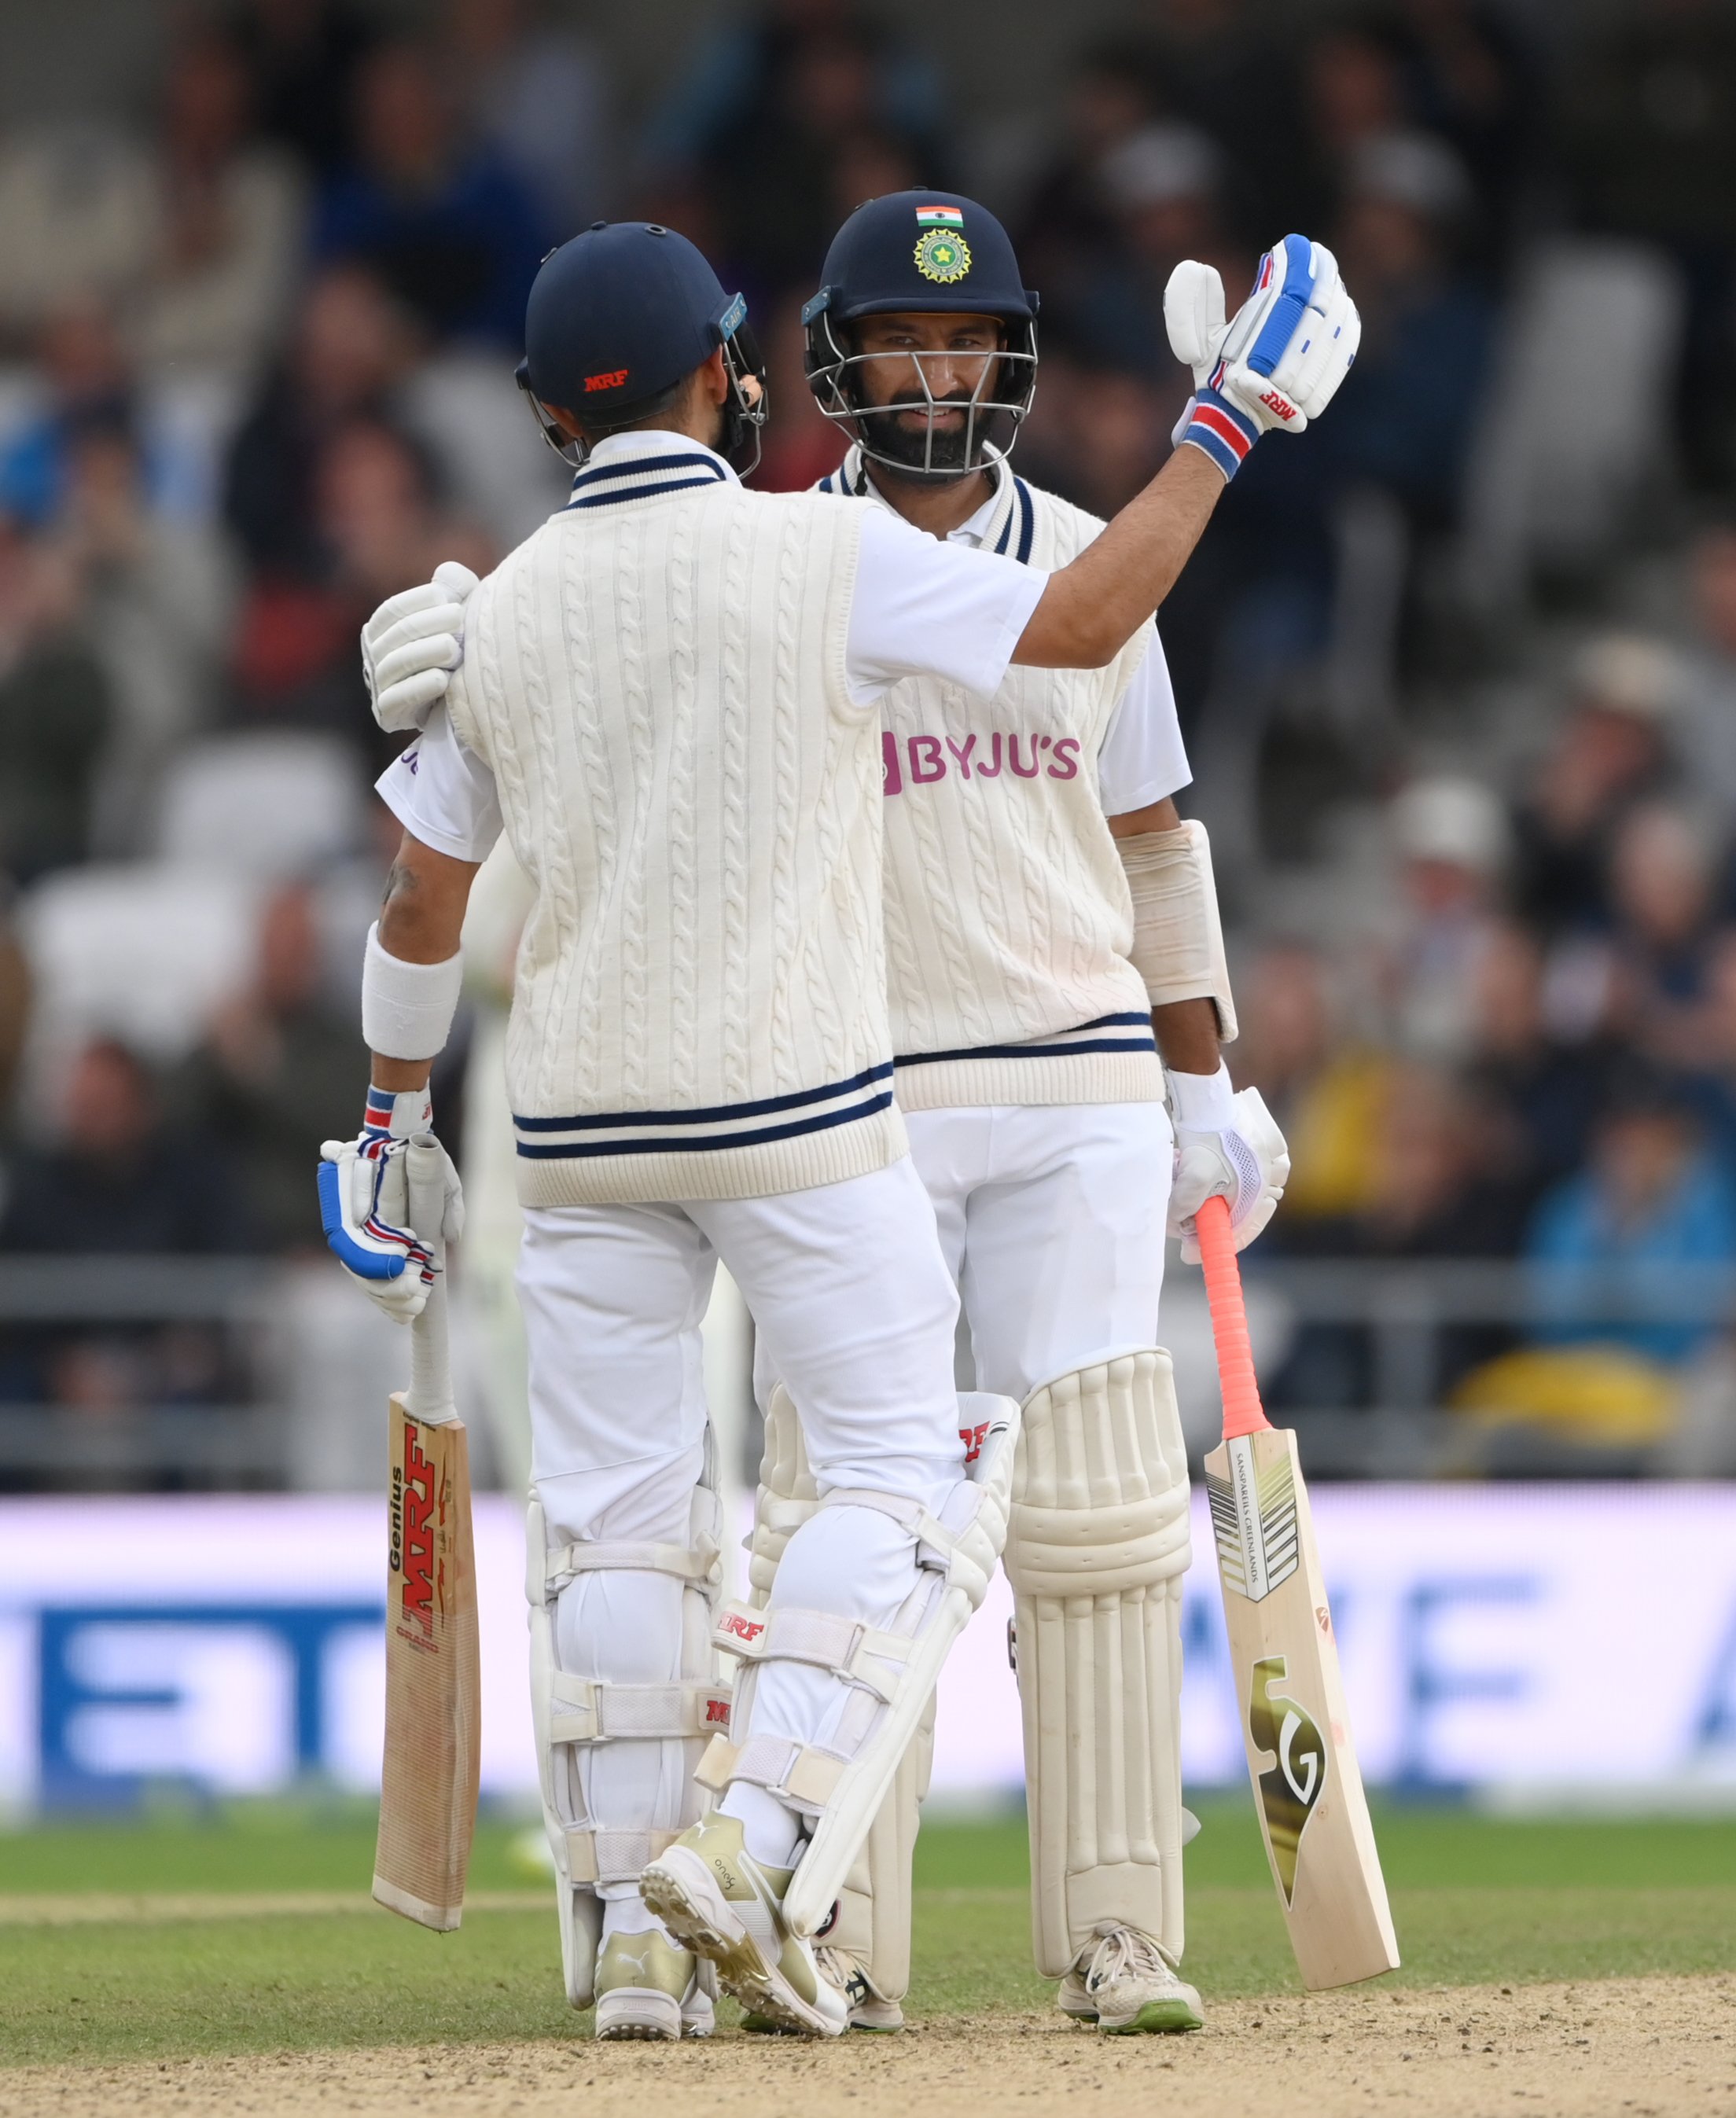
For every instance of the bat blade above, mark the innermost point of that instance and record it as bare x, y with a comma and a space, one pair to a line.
433, 1721
1296, 1729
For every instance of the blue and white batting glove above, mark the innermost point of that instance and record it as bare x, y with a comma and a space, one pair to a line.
363, 1198
1277, 363
411, 645
1227, 1146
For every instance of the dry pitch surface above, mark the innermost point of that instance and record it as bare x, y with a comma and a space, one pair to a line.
234, 1965
1643, 2046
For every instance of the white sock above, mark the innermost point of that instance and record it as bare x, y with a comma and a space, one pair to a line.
772, 1833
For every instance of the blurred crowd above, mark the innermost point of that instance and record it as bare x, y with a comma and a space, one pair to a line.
1457, 668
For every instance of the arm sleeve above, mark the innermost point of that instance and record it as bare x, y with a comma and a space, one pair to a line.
442, 793
926, 608
1143, 759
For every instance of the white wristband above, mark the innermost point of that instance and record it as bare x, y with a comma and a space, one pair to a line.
1202, 1103
407, 1009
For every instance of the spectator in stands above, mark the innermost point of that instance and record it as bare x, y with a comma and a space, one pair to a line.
538, 97
278, 1072
1099, 433
744, 154
1162, 187
1705, 725
447, 226
1541, 1094
799, 444
1610, 752
87, 384
354, 346
77, 223
1353, 94
1427, 327
1215, 63
1662, 873
1653, 1201
303, 55
230, 215
1651, 135
1326, 1085
1069, 227
1470, 78
55, 709
379, 522
120, 1178
1452, 839
156, 598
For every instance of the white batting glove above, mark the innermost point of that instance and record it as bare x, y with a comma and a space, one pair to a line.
364, 1203
1276, 364
1227, 1146
412, 644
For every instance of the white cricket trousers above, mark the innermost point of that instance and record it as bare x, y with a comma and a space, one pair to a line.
1051, 1219
849, 1288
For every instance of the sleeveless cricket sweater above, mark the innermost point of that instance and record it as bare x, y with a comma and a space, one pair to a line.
1008, 919
656, 679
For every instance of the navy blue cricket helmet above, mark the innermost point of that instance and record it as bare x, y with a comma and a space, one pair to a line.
922, 252
620, 314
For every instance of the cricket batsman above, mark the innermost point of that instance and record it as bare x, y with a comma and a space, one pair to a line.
671, 696
1053, 946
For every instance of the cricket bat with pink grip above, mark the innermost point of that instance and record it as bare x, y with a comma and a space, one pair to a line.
433, 1716
1307, 1786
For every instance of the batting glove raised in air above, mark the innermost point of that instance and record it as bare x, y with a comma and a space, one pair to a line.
1276, 364
1229, 1147
411, 645
365, 1185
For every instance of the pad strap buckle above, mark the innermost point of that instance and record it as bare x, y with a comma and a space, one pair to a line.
599, 1858
845, 1647
795, 1772
549, 1572
584, 1710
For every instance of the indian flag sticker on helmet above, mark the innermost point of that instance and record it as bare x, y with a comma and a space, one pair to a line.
942, 256
939, 216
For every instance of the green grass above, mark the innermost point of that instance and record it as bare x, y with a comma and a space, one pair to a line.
1475, 1899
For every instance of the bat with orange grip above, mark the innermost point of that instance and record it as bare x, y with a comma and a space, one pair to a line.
1307, 1787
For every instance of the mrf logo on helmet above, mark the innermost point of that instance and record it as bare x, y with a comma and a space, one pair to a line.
922, 253
616, 318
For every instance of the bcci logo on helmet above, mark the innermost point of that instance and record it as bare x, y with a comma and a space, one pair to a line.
942, 255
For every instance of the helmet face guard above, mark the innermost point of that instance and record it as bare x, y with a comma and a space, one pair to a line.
744, 408
993, 412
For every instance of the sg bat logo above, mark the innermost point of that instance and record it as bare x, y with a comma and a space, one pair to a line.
1290, 1787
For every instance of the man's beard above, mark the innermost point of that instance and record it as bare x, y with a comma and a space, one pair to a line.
909, 449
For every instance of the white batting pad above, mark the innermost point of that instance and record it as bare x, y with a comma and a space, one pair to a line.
594, 1852
1096, 1548
873, 1921
890, 1670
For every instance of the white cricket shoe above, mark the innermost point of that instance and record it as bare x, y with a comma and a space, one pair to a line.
649, 1989
869, 2008
717, 1900
1121, 1983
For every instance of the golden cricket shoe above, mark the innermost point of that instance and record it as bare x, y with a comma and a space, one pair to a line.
648, 1990
1121, 1983
717, 1900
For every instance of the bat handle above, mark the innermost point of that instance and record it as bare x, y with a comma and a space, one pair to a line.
1236, 1379
430, 1365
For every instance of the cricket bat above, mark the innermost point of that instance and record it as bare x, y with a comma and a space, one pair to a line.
1307, 1786
433, 1721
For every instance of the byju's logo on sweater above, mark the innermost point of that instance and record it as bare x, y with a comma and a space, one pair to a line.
921, 760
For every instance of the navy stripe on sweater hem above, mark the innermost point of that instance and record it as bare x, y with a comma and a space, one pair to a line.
586, 1151
1047, 1049
717, 1113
